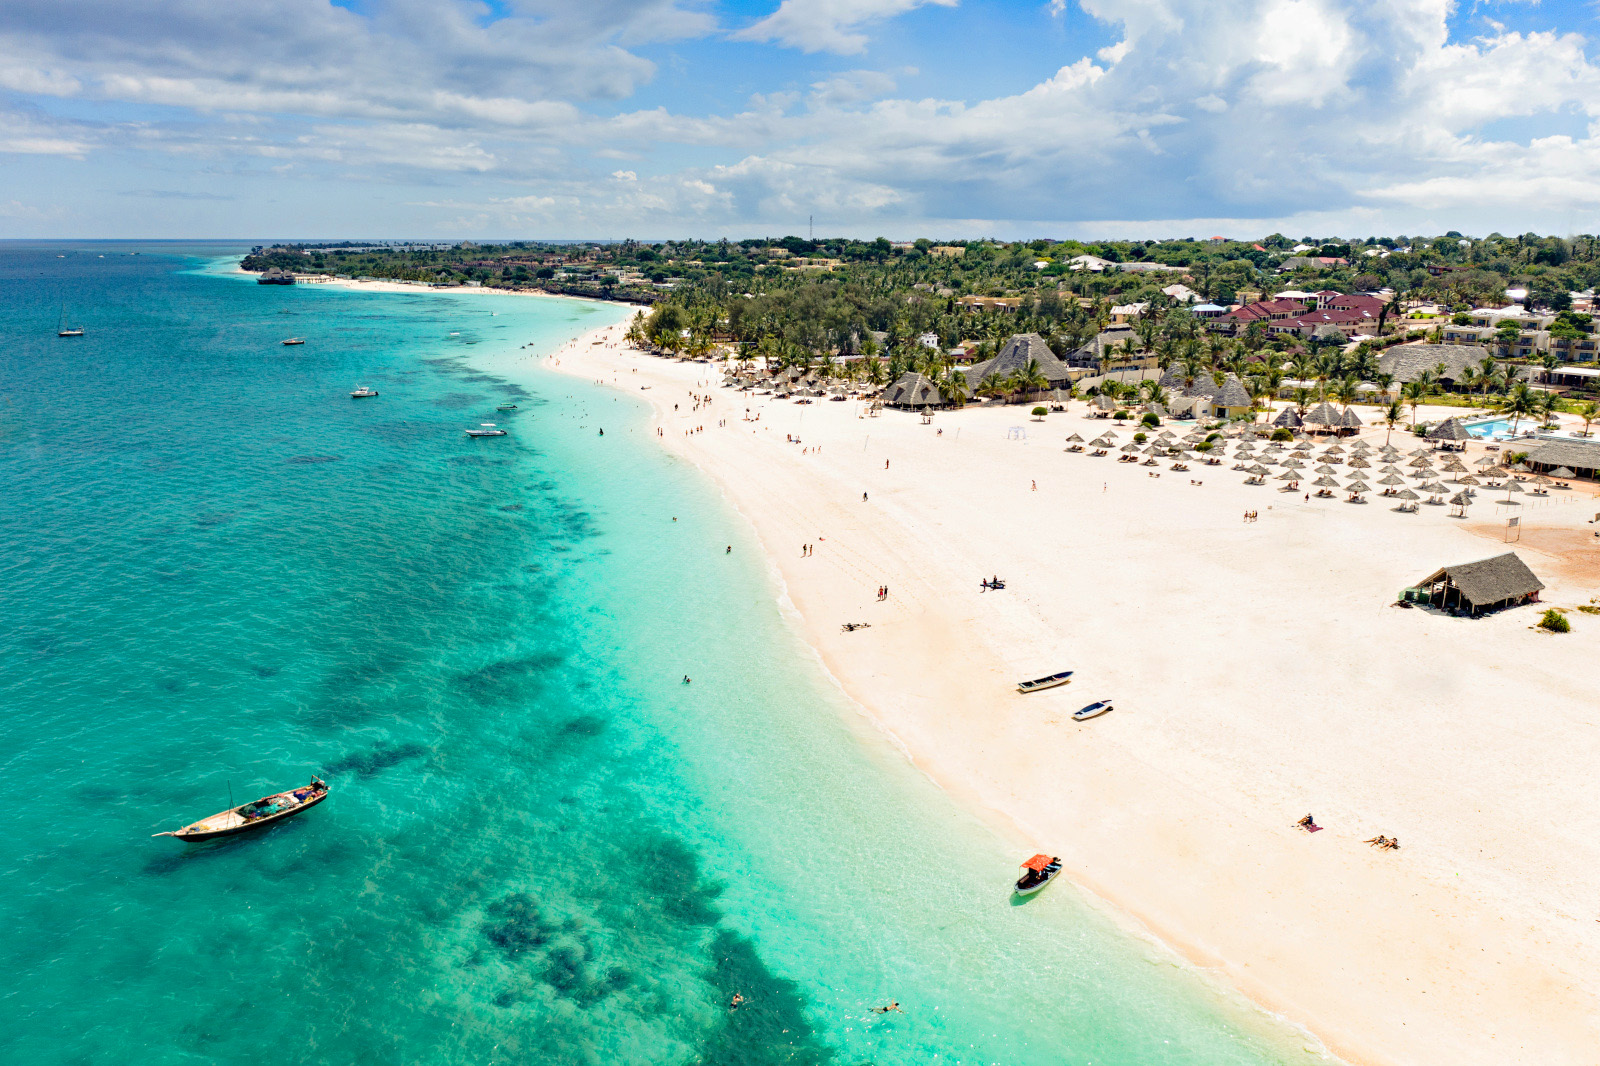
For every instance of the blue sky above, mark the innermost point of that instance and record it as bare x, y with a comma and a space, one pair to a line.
901, 118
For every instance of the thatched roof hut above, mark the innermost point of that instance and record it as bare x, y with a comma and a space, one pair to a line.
1288, 418
1485, 585
1450, 429
913, 390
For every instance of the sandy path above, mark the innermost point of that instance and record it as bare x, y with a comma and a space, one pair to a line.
1259, 675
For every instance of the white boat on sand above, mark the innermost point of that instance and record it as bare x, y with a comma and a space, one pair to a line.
1040, 683
1094, 710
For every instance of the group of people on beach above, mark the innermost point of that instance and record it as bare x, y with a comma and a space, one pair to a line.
1250, 516
1384, 843
883, 593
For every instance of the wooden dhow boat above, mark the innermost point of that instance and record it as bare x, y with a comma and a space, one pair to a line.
253, 815
1039, 683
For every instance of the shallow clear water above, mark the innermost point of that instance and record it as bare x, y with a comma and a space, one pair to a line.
219, 572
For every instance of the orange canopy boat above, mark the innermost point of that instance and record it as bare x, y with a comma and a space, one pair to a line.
1036, 873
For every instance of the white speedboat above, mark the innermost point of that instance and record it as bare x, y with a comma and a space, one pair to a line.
1094, 710
1040, 683
486, 429
363, 392
1036, 873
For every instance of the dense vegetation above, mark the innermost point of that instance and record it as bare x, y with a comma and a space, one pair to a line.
797, 301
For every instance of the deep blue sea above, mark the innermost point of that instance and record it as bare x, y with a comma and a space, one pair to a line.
220, 575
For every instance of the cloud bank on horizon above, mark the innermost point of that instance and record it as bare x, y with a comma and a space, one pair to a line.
655, 118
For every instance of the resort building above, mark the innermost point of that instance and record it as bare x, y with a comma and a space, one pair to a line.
913, 390
1021, 348
1407, 362
1567, 458
1486, 585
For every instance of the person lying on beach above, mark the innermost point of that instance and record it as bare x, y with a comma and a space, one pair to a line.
1306, 823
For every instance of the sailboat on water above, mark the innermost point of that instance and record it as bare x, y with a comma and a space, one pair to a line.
64, 330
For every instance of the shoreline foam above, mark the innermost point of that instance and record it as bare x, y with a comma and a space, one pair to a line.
1387, 957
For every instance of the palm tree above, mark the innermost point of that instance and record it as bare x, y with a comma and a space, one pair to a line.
1414, 392
1468, 379
1385, 382
953, 387
994, 385
1030, 379
1391, 416
1520, 403
1345, 391
1589, 412
636, 335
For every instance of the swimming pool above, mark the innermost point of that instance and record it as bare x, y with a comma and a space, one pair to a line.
1494, 428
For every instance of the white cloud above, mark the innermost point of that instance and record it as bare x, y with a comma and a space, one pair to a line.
828, 25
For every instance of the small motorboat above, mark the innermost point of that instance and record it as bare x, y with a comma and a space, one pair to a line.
1094, 710
486, 429
1036, 873
1045, 682
363, 392
295, 340
253, 815
506, 407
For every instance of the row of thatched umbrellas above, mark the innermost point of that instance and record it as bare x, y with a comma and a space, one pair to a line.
1292, 460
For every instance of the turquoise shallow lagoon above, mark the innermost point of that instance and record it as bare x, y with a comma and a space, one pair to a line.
219, 572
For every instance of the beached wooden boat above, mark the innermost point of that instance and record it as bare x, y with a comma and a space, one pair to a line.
1041, 683
1094, 710
1036, 873
253, 815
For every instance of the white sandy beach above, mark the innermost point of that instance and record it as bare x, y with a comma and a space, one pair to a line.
1260, 674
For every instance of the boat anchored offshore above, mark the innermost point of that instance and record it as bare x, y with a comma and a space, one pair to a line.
295, 340
1040, 683
486, 429
253, 815
363, 392
1036, 873
64, 330
1094, 710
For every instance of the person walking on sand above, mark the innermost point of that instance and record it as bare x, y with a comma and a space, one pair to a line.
886, 464
1035, 485
863, 497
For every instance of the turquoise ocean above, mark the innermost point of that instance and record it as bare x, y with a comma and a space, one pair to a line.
220, 575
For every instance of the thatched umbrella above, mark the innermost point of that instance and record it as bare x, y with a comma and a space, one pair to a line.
1335, 450
1497, 471
1288, 475
1293, 464
1522, 468
1392, 479
1129, 447
1325, 483
1259, 470
1431, 486
1542, 480
1562, 471
1460, 499
1303, 446
1454, 466
1074, 439
1407, 494
1487, 460
1421, 461
1357, 485
1513, 486
1469, 480
1325, 469
1359, 463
